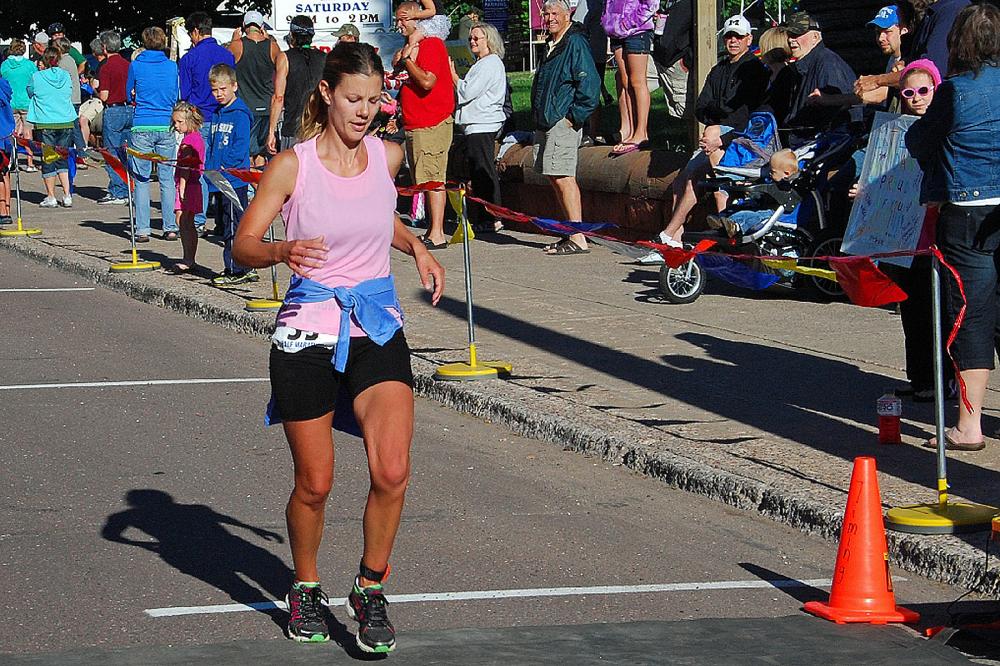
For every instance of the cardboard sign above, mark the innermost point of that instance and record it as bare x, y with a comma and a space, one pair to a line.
887, 215
461, 55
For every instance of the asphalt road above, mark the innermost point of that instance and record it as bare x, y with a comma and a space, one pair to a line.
118, 500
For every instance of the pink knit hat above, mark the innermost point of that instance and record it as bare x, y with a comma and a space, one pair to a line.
924, 65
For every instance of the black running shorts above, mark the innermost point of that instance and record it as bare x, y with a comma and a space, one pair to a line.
305, 385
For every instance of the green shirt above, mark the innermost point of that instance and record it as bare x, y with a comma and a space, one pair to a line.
76, 56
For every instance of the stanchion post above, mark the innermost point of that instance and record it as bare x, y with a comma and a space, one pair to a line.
134, 266
267, 304
473, 369
942, 516
942, 464
19, 229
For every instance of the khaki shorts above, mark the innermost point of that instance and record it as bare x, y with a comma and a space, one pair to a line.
427, 152
93, 111
21, 123
556, 149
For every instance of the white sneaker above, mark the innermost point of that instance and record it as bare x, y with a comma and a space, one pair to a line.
654, 258
67, 201
49, 202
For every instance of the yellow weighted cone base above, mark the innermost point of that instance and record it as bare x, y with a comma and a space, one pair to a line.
262, 305
941, 518
463, 372
134, 266
19, 231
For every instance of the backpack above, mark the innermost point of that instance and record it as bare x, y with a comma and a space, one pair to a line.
754, 146
624, 18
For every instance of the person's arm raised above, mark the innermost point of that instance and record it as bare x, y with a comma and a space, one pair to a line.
249, 247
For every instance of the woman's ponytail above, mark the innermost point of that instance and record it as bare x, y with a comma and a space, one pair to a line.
314, 116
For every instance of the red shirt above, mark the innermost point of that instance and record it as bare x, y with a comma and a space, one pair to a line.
114, 76
427, 108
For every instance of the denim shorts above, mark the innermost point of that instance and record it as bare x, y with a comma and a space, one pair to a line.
62, 138
639, 43
969, 239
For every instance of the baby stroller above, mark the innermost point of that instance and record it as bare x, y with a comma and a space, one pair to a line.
801, 224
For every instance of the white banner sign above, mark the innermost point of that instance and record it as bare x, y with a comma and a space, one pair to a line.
366, 15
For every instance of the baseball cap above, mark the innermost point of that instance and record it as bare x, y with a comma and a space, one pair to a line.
737, 24
41, 38
800, 23
56, 27
253, 18
348, 29
886, 18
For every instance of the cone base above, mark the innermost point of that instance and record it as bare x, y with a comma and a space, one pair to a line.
844, 616
8, 233
948, 518
463, 372
262, 305
137, 267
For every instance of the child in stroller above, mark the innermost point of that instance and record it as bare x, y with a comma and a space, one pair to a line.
748, 214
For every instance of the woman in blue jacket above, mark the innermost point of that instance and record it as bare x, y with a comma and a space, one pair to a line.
152, 85
51, 111
957, 144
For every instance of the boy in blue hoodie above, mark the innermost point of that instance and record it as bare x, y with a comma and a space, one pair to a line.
229, 147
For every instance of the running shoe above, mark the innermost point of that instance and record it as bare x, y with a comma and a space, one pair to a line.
307, 616
67, 201
109, 200
368, 606
235, 279
49, 202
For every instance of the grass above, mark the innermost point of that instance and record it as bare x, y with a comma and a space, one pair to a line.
665, 131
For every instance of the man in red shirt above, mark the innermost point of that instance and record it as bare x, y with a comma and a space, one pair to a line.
428, 101
117, 114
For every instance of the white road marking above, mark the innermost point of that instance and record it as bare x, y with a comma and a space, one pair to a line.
137, 382
509, 594
34, 289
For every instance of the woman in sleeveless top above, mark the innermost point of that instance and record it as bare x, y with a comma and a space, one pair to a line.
340, 328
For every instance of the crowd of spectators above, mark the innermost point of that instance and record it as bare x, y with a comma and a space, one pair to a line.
248, 99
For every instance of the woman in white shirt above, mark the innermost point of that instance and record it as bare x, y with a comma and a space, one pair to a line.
479, 116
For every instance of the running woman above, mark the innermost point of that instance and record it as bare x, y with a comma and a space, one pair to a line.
340, 328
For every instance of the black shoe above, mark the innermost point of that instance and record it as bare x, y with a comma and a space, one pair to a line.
368, 607
307, 616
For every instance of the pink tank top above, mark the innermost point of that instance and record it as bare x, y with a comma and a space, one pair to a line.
354, 215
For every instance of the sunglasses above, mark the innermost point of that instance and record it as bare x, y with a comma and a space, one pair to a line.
922, 91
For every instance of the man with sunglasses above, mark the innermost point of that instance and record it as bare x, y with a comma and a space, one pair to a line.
820, 96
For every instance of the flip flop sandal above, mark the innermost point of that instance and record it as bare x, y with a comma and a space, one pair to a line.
567, 247
624, 149
431, 245
951, 445
179, 269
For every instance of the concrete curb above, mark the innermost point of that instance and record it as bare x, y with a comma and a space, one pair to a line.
533, 414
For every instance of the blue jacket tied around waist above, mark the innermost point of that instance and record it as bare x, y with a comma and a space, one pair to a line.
368, 302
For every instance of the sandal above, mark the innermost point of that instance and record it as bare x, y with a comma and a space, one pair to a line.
180, 269
551, 247
952, 445
567, 247
171, 236
431, 245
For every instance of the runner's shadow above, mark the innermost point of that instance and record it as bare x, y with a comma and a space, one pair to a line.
193, 539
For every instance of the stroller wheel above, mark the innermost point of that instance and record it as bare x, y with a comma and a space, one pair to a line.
683, 284
826, 244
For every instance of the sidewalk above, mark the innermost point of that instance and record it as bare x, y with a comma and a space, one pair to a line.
759, 400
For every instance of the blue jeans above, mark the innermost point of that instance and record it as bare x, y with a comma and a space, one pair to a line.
161, 143
117, 120
227, 216
750, 220
969, 238
199, 218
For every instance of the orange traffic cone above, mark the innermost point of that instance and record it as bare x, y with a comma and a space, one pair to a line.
862, 586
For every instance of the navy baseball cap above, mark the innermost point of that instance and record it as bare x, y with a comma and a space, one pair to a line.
886, 18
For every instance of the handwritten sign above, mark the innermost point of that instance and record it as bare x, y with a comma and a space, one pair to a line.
887, 215
459, 52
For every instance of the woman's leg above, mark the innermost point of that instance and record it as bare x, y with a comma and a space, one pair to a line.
385, 413
624, 95
311, 444
166, 147
639, 95
141, 170
50, 186
64, 182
